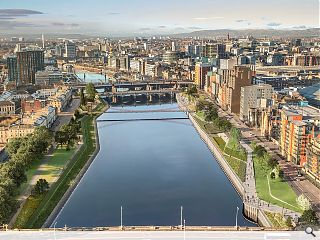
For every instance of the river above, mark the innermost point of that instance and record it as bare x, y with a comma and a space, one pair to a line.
151, 168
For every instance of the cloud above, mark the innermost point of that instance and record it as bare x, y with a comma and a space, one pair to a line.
241, 20
274, 24
15, 13
9, 25
114, 13
195, 28
300, 27
206, 18
145, 29
60, 24
179, 29
162, 27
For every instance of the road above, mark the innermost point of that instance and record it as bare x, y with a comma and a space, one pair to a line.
65, 116
159, 235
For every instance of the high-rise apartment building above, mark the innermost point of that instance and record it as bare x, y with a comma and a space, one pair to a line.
214, 51
70, 49
12, 68
313, 158
201, 70
294, 136
29, 61
230, 82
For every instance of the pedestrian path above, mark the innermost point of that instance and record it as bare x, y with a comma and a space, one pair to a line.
251, 196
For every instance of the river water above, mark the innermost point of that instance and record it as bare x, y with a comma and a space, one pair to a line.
151, 168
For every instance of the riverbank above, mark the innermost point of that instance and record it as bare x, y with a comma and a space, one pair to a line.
254, 207
68, 177
92, 147
252, 213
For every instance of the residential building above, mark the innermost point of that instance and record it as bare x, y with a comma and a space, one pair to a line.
7, 107
70, 49
29, 61
12, 68
46, 78
14, 131
201, 70
253, 98
230, 82
312, 166
294, 136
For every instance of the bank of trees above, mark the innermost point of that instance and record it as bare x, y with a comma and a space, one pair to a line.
68, 134
89, 95
211, 115
22, 152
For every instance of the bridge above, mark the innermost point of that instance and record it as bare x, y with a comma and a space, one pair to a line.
135, 86
147, 92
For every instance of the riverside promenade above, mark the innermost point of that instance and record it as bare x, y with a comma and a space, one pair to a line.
254, 207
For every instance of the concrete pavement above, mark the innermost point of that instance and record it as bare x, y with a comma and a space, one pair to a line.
152, 235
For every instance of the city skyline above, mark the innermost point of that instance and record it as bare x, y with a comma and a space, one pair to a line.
127, 18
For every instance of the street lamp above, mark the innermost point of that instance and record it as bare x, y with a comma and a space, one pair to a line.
121, 217
54, 229
181, 215
184, 229
237, 218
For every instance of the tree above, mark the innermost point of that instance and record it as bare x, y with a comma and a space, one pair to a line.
234, 139
60, 138
82, 98
303, 202
272, 175
7, 205
15, 171
272, 162
289, 221
41, 187
211, 114
192, 90
13, 146
309, 216
90, 91
259, 151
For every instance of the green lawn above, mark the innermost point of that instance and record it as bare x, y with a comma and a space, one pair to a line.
238, 166
58, 189
221, 143
210, 128
30, 173
200, 114
55, 165
29, 207
279, 188
49, 171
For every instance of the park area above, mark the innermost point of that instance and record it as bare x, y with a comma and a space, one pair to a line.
275, 191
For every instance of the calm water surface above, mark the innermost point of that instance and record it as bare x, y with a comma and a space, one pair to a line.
151, 168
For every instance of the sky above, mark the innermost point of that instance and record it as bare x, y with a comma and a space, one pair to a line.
148, 17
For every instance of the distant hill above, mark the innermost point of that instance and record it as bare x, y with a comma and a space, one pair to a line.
259, 33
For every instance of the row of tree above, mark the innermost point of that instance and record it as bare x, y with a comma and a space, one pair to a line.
89, 94
22, 152
68, 134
